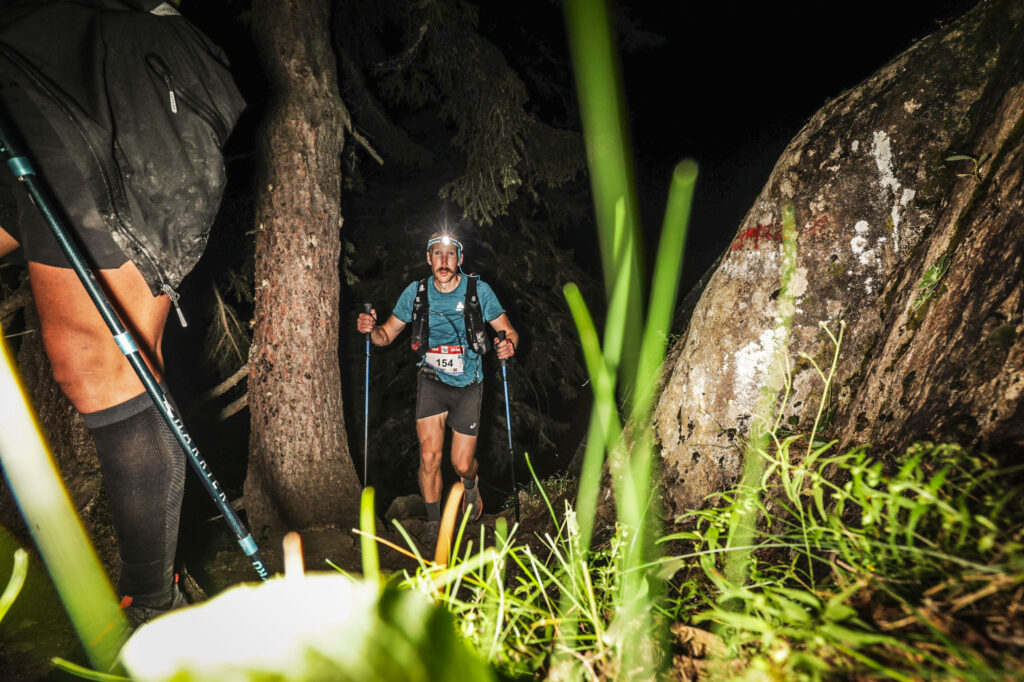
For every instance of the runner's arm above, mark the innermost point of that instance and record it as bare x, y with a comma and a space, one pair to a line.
380, 335
506, 348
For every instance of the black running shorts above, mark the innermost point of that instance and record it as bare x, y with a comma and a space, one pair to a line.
68, 186
435, 397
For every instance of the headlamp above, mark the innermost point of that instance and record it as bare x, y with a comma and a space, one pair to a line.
447, 240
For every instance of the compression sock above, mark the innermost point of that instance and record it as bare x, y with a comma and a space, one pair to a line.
433, 511
144, 476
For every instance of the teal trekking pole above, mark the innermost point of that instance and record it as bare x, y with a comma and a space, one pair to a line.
508, 423
23, 170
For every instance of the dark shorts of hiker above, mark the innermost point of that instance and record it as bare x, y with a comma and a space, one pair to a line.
434, 397
69, 188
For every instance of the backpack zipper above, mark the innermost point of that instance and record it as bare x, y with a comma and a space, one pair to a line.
174, 296
175, 93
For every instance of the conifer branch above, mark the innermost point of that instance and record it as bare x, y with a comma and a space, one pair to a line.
234, 407
224, 386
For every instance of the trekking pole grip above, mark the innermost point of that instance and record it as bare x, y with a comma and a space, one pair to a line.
501, 337
367, 307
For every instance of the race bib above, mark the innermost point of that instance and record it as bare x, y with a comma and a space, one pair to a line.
447, 359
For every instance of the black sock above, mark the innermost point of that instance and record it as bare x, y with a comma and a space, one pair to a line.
144, 476
433, 511
469, 483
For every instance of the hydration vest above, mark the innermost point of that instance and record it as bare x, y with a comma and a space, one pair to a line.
476, 337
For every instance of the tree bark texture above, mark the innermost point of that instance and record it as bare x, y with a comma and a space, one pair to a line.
300, 473
877, 205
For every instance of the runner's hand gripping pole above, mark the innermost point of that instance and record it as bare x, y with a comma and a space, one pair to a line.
508, 423
23, 170
366, 406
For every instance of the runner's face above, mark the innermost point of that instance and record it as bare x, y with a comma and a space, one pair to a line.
444, 261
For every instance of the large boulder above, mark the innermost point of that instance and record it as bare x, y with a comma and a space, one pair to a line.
878, 204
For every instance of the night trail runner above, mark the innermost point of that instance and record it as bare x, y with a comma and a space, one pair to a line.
123, 113
449, 388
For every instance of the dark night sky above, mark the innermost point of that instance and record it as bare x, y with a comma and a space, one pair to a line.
733, 83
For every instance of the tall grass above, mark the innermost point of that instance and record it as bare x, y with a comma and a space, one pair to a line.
847, 551
69, 557
851, 568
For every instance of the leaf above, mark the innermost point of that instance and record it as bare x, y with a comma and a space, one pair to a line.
669, 569
16, 582
86, 673
845, 635
800, 595
819, 500
740, 621
791, 611
837, 613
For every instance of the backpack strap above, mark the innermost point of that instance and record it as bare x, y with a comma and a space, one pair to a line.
476, 335
420, 340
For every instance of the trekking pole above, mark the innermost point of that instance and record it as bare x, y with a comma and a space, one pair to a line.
23, 171
508, 423
366, 405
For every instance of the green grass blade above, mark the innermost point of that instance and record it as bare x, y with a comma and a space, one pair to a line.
367, 545
599, 89
70, 559
17, 581
665, 288
86, 673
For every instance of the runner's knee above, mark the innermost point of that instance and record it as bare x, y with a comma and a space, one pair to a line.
469, 471
81, 355
430, 459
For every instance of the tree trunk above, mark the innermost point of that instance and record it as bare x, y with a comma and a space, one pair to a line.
300, 474
878, 203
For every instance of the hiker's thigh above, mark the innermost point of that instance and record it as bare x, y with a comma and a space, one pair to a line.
7, 243
463, 451
87, 363
430, 432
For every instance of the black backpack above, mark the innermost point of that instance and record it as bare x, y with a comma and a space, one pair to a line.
143, 103
476, 336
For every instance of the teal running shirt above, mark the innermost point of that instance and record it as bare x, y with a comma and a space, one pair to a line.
448, 350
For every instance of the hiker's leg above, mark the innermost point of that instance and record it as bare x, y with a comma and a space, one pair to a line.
463, 459
87, 363
7, 243
464, 419
143, 465
430, 431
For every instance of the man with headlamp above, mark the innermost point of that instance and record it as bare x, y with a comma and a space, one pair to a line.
447, 312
